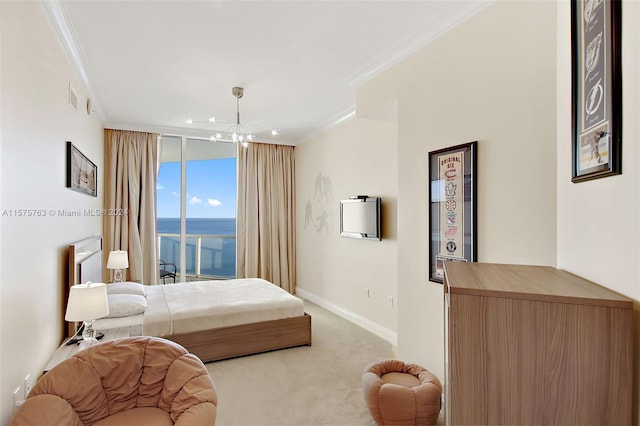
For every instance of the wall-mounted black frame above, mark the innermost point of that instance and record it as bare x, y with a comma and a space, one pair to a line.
596, 89
452, 207
82, 173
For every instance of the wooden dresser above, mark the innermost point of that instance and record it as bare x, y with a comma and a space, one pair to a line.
534, 345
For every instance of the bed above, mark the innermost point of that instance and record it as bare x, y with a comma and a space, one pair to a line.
212, 319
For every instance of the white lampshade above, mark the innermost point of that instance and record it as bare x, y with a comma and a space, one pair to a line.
118, 260
87, 302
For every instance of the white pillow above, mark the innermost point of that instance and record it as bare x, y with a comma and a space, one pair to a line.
124, 305
126, 287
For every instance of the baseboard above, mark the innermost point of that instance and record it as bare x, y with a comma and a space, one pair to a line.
375, 328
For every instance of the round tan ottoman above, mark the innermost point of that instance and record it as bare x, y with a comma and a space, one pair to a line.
401, 394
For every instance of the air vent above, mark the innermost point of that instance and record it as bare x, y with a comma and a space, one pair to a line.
73, 98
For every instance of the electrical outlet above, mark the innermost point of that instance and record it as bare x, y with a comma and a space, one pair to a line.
27, 385
17, 399
366, 292
390, 300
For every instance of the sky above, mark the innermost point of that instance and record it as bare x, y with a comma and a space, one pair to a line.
211, 189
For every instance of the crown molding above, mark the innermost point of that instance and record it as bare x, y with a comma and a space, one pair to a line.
59, 22
183, 131
454, 15
334, 121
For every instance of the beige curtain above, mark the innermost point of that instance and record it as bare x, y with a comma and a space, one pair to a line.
130, 160
266, 214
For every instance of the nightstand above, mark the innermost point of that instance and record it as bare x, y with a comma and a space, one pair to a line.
65, 351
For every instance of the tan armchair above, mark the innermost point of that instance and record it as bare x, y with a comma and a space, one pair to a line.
130, 381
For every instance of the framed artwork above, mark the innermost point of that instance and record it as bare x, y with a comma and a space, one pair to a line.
82, 174
596, 89
452, 207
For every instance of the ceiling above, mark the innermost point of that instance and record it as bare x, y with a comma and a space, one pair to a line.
151, 65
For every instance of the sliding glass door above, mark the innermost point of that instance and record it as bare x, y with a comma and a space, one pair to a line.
210, 209
197, 208
169, 196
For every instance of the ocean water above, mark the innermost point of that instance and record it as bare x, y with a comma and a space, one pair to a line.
218, 226
218, 245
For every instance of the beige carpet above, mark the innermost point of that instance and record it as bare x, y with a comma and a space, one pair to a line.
317, 385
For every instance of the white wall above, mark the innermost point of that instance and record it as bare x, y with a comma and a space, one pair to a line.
360, 157
36, 122
599, 220
493, 80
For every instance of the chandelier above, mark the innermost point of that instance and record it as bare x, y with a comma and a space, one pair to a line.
236, 133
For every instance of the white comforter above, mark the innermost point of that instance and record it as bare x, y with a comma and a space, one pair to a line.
202, 305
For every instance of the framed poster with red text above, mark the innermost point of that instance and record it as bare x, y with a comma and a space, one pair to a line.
452, 207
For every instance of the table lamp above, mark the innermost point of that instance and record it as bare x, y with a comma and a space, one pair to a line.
118, 260
87, 302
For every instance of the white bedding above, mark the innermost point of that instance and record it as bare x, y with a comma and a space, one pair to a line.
202, 305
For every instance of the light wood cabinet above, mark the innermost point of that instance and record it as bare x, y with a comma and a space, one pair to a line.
535, 345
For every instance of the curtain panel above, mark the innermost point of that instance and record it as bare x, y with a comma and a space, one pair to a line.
265, 229
131, 164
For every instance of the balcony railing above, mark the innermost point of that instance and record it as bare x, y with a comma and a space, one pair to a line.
207, 256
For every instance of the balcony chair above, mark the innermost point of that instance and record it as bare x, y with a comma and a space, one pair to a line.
167, 270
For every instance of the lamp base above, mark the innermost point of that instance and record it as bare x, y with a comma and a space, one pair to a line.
89, 336
78, 340
85, 343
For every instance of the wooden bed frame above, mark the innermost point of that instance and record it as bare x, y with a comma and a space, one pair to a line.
85, 264
246, 339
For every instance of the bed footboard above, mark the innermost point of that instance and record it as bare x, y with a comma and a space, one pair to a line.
246, 339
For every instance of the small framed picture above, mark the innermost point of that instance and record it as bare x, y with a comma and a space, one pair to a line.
452, 207
596, 89
82, 174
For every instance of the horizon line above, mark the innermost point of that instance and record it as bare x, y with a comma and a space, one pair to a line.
197, 217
